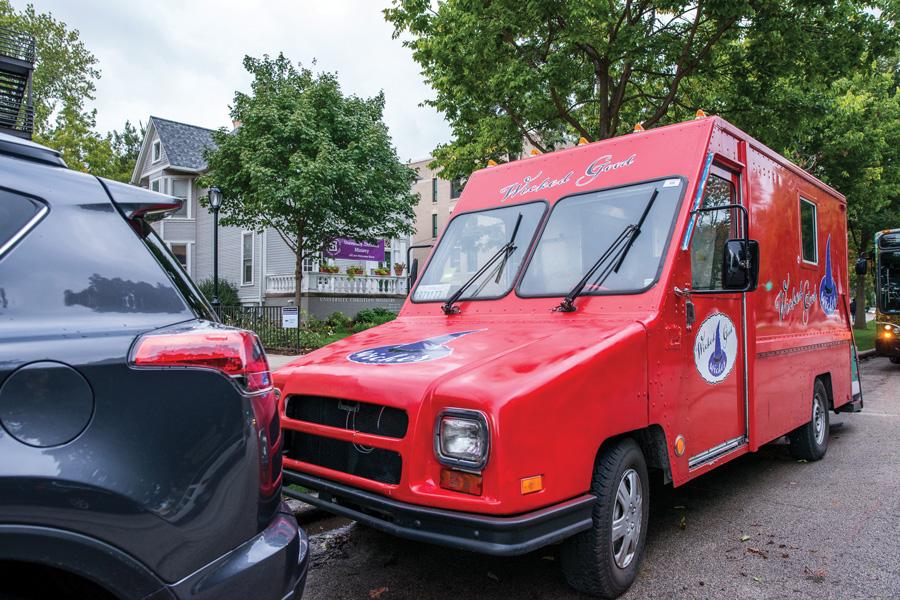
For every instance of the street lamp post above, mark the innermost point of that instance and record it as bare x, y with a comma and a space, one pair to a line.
215, 202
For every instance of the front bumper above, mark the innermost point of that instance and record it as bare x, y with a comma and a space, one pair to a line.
887, 347
497, 536
272, 565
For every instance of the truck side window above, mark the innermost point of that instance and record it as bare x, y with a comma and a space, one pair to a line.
712, 230
808, 231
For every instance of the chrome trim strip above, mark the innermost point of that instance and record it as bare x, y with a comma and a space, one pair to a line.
24, 231
746, 368
715, 452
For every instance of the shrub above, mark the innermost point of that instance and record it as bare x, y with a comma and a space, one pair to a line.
373, 316
228, 294
311, 339
338, 320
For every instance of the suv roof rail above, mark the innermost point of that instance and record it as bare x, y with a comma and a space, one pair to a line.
21, 148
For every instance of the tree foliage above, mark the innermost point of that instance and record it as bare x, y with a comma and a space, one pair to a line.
309, 162
63, 82
65, 70
550, 71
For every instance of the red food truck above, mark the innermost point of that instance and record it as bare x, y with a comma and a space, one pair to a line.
663, 301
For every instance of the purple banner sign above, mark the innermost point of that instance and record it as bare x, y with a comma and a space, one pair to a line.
353, 250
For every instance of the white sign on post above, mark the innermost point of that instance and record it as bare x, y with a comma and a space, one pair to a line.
290, 317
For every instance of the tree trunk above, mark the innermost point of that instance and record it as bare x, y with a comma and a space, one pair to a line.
860, 322
298, 278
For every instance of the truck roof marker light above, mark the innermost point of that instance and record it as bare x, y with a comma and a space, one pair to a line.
638, 127
700, 114
491, 162
535, 152
679, 445
531, 485
582, 141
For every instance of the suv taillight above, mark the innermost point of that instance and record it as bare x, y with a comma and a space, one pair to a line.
234, 352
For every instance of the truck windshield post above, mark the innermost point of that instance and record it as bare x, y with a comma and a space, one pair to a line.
616, 251
504, 251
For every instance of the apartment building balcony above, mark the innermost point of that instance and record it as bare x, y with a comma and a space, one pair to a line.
337, 284
17, 55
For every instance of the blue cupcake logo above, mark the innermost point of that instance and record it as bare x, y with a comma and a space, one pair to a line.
718, 359
828, 287
716, 348
425, 350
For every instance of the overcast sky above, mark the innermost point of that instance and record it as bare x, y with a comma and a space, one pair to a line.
181, 59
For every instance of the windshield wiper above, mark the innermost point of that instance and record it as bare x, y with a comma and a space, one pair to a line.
614, 255
505, 251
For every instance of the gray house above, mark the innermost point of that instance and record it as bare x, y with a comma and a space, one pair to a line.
260, 265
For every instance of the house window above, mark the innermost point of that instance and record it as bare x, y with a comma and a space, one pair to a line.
157, 151
247, 258
809, 234
181, 188
154, 185
434, 188
182, 252
456, 188
311, 263
434, 225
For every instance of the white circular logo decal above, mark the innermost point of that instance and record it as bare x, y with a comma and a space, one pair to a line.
715, 347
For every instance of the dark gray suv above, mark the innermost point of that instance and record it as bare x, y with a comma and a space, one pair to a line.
140, 448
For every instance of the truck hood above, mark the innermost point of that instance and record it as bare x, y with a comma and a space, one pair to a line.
399, 362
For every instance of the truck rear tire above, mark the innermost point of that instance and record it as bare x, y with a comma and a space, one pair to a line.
604, 560
895, 360
810, 442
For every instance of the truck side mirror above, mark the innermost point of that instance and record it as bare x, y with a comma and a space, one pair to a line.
862, 266
413, 275
740, 265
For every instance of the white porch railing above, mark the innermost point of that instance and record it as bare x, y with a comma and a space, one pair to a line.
337, 283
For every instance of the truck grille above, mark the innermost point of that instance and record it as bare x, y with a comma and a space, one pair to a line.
376, 464
363, 417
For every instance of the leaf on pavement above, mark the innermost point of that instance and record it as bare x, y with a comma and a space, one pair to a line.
377, 592
744, 538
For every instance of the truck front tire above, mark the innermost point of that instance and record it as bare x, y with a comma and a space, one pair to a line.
604, 560
810, 442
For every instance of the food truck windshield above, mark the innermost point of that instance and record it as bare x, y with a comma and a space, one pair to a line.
579, 230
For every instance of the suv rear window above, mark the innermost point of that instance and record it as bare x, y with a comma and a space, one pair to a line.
16, 215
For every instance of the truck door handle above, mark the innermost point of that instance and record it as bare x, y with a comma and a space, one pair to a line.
690, 314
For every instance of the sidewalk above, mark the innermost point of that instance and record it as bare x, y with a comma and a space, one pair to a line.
278, 360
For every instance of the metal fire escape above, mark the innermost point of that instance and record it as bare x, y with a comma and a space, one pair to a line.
16, 69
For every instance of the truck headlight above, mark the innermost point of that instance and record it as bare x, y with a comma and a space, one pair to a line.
461, 438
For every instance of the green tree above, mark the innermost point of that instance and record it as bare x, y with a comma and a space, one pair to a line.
65, 70
550, 71
309, 162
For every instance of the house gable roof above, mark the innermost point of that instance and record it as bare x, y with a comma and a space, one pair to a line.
184, 144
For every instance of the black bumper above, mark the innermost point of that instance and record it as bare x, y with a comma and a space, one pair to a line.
497, 536
890, 348
272, 565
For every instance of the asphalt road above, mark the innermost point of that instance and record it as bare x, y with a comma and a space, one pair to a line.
823, 530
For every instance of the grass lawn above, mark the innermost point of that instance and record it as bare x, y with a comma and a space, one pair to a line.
337, 334
865, 339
